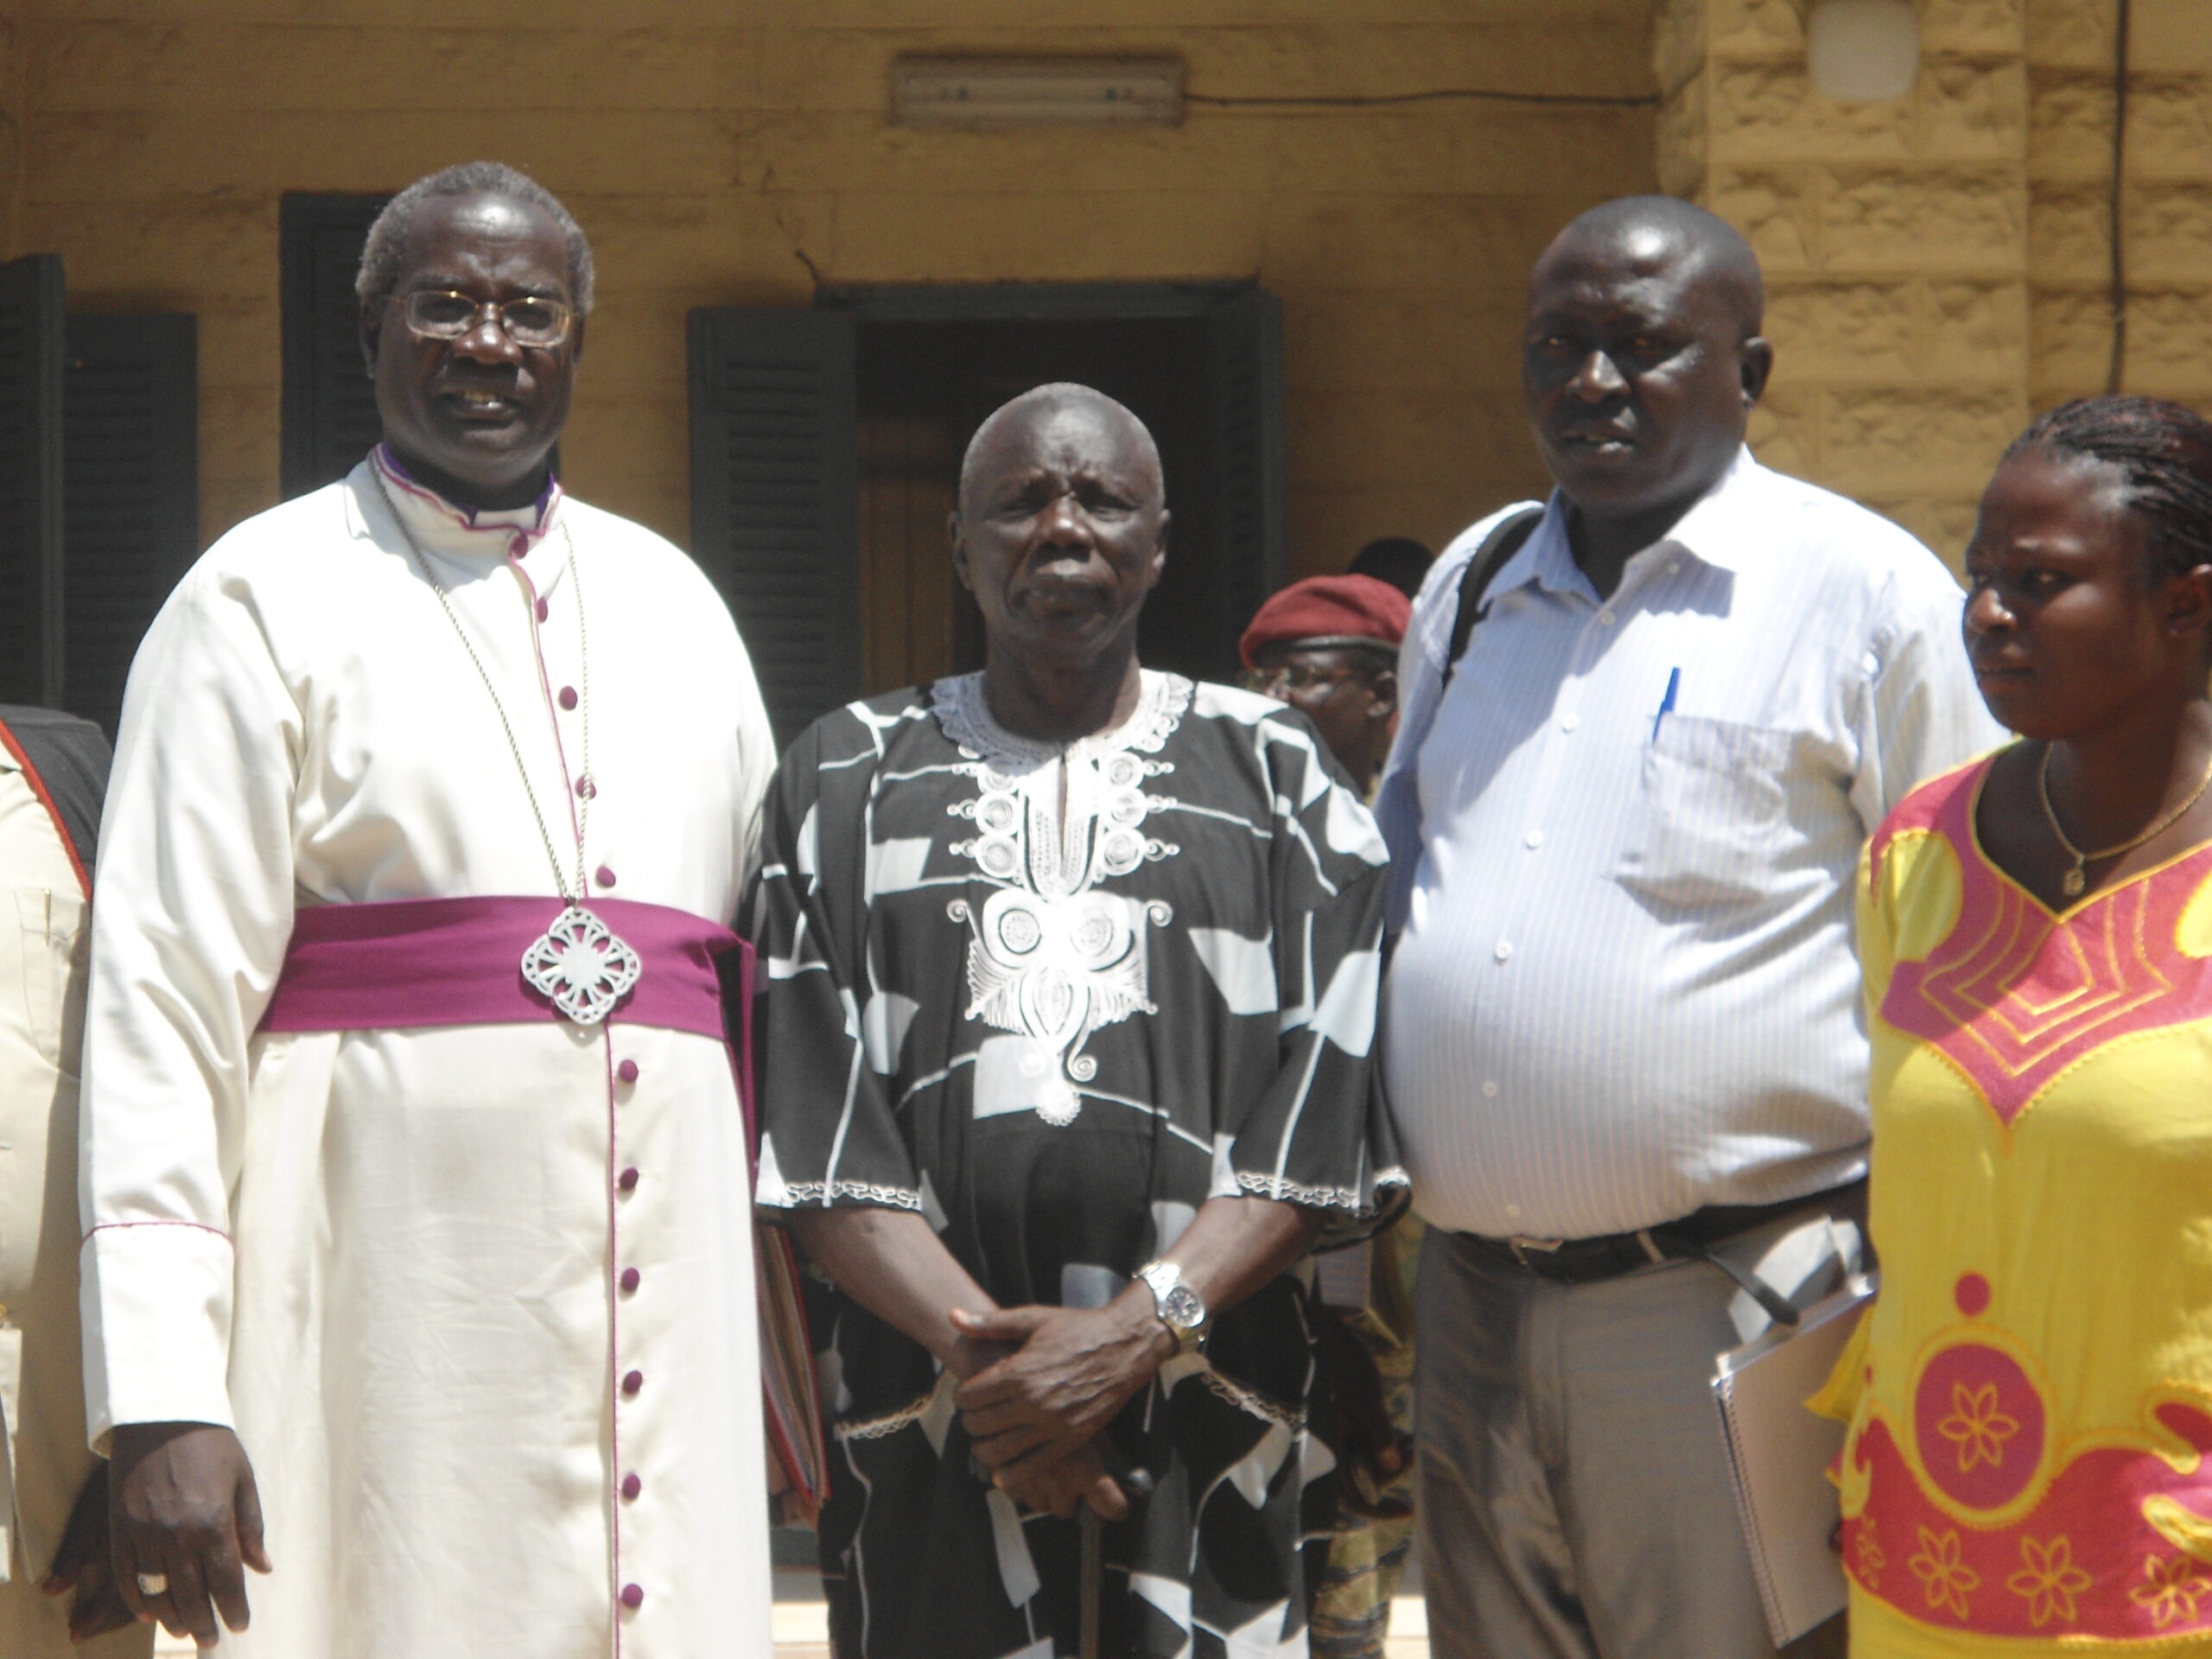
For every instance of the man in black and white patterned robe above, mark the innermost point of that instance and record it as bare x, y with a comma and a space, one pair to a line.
1066, 1044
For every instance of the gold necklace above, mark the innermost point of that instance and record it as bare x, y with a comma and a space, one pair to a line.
2075, 880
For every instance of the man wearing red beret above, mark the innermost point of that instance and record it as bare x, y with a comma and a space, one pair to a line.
1328, 646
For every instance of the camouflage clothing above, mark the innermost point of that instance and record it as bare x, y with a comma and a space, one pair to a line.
1374, 1514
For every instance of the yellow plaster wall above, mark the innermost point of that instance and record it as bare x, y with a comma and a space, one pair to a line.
733, 151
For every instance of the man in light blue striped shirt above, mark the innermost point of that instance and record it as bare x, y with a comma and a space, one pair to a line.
1624, 1041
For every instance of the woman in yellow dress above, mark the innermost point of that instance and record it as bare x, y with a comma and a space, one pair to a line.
2031, 1400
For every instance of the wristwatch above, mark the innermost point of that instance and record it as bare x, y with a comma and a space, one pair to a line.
1181, 1309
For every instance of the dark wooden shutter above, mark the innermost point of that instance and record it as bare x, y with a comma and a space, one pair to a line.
30, 479
775, 498
330, 406
1244, 382
131, 523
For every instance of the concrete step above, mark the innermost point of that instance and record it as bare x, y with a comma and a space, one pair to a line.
801, 1631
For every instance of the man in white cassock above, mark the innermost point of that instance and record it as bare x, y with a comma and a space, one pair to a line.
418, 1272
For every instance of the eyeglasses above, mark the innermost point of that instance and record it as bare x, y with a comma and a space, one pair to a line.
440, 314
1295, 678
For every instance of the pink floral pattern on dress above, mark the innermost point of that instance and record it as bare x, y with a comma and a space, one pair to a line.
2048, 1581
2103, 1564
1867, 1552
1979, 1425
2171, 1588
2021, 997
2026, 1524
1948, 1581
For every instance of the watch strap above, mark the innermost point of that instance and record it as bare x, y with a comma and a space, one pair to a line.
1165, 1280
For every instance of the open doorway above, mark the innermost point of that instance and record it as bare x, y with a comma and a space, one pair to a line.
923, 389
826, 446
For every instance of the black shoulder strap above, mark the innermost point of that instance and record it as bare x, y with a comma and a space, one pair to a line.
1501, 544
68, 759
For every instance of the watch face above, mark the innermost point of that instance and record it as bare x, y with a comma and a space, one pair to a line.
1182, 1308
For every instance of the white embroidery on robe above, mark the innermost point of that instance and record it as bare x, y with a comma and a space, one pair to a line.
1050, 957
1055, 970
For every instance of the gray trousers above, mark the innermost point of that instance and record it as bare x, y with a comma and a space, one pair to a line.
1574, 1498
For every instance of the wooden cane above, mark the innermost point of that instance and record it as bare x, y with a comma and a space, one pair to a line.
1093, 1531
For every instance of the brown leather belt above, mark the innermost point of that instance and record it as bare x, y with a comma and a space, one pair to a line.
1587, 1260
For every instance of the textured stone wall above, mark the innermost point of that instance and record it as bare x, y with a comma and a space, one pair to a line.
733, 151
1894, 236
1940, 265
2168, 242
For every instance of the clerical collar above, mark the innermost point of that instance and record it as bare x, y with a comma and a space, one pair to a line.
428, 513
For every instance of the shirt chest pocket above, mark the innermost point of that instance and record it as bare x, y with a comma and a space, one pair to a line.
54, 942
1709, 813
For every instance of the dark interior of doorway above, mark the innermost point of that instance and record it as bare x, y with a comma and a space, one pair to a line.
925, 387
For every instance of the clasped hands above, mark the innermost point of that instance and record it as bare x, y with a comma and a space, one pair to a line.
1051, 1378
84, 1562
185, 1521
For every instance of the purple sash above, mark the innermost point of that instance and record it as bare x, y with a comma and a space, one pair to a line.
458, 962
407, 962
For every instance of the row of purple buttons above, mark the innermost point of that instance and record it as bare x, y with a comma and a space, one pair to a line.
633, 1595
585, 787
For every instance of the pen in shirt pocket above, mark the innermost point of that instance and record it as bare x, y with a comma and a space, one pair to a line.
1667, 703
